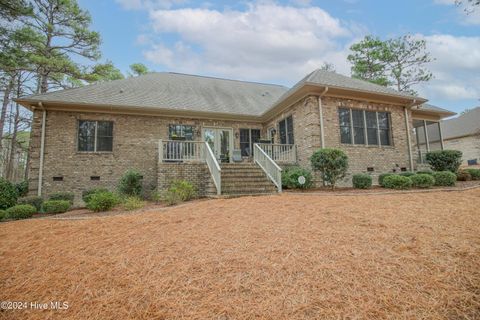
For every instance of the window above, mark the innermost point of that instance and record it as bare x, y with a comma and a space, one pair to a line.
285, 128
247, 138
95, 136
364, 127
180, 131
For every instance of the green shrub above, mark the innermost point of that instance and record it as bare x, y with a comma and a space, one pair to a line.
475, 173
35, 201
3, 215
131, 183
20, 211
156, 196
362, 181
133, 203
22, 188
55, 206
430, 172
463, 175
445, 178
62, 195
382, 177
444, 160
102, 201
290, 177
86, 194
397, 182
171, 198
422, 180
406, 174
8, 194
332, 164
185, 190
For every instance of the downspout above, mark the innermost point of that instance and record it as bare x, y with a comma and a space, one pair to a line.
320, 111
42, 149
409, 142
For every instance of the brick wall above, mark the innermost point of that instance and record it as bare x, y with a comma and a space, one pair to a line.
195, 173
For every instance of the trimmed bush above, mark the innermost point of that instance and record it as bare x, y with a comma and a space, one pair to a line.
8, 194
430, 172
463, 175
406, 174
20, 211
55, 206
133, 203
397, 182
445, 178
185, 190
422, 180
475, 173
22, 188
332, 164
102, 201
86, 194
362, 181
290, 177
35, 201
62, 195
3, 215
444, 160
383, 176
131, 183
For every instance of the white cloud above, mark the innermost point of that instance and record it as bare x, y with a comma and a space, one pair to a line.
267, 41
456, 68
466, 14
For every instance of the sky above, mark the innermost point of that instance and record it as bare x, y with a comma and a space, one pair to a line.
281, 41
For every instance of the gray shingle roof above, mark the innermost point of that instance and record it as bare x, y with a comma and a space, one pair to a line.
464, 125
174, 91
429, 107
333, 79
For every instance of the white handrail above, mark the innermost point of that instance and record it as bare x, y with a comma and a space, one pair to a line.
271, 169
176, 150
286, 153
214, 168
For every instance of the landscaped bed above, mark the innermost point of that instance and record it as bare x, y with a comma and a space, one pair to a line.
275, 257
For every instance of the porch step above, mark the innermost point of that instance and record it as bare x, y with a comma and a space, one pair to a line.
245, 178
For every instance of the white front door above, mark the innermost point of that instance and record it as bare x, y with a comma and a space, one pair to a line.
221, 142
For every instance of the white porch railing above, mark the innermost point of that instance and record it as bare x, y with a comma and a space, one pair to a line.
214, 168
191, 151
273, 171
173, 150
285, 153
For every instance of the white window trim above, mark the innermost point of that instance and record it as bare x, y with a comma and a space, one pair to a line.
95, 136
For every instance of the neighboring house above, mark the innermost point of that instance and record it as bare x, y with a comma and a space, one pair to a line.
460, 133
177, 126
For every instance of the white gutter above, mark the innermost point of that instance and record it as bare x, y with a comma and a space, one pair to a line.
320, 111
42, 149
407, 126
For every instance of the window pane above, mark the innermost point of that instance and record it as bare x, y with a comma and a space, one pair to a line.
255, 135
344, 117
104, 135
188, 132
358, 127
245, 142
383, 120
290, 138
86, 135
372, 134
385, 137
345, 129
282, 131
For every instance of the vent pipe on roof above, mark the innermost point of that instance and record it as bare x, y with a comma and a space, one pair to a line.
320, 111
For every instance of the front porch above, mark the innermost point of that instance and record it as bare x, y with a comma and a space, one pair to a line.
428, 137
188, 159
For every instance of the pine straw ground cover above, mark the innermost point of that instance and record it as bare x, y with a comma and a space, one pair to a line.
408, 256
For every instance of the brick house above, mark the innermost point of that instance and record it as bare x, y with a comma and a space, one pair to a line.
225, 136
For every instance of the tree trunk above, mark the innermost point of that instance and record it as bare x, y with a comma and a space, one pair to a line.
6, 101
13, 145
